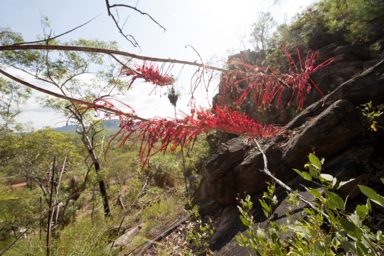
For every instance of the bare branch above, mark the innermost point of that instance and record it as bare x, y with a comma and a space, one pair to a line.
137, 10
104, 51
62, 34
285, 186
128, 37
73, 100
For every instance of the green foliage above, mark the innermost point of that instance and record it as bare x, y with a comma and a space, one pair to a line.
84, 237
262, 242
370, 116
17, 210
355, 16
327, 227
199, 234
20, 59
261, 30
355, 20
268, 200
372, 195
12, 96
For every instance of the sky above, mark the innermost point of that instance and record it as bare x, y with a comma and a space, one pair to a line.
215, 28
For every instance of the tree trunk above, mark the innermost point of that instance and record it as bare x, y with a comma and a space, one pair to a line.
103, 192
95, 160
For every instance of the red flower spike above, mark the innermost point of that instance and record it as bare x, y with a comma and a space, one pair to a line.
269, 84
157, 134
149, 73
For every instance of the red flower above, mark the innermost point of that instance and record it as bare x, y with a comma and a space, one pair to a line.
149, 73
269, 84
157, 134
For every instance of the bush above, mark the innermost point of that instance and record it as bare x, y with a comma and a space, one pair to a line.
327, 229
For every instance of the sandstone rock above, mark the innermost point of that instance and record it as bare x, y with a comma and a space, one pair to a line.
332, 127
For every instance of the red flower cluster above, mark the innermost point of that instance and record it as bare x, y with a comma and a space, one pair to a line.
149, 73
299, 77
269, 84
160, 133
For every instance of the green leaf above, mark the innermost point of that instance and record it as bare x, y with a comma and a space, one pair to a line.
334, 201
327, 241
315, 193
305, 175
362, 211
372, 195
348, 246
361, 248
244, 221
314, 160
352, 230
309, 211
319, 249
313, 171
265, 205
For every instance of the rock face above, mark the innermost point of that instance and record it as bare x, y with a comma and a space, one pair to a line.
332, 127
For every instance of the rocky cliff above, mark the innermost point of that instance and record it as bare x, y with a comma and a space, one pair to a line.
332, 127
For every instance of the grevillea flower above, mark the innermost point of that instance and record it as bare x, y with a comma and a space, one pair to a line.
158, 134
149, 73
269, 83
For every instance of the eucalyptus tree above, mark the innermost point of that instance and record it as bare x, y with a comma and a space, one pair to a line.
12, 96
73, 74
262, 30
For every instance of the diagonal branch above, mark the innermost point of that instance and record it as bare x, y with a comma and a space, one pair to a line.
73, 100
285, 186
62, 34
104, 51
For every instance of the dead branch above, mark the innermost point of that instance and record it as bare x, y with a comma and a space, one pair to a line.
128, 37
53, 38
64, 97
105, 51
285, 186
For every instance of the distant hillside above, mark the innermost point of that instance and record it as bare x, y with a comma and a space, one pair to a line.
110, 125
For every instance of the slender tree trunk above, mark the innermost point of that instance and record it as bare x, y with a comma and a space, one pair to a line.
103, 192
102, 187
50, 213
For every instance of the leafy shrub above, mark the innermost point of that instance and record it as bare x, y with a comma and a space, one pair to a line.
327, 228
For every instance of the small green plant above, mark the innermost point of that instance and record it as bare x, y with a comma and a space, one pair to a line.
327, 227
370, 116
199, 234
262, 242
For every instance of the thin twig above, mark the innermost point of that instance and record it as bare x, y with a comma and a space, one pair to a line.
285, 186
62, 34
58, 186
137, 10
128, 37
